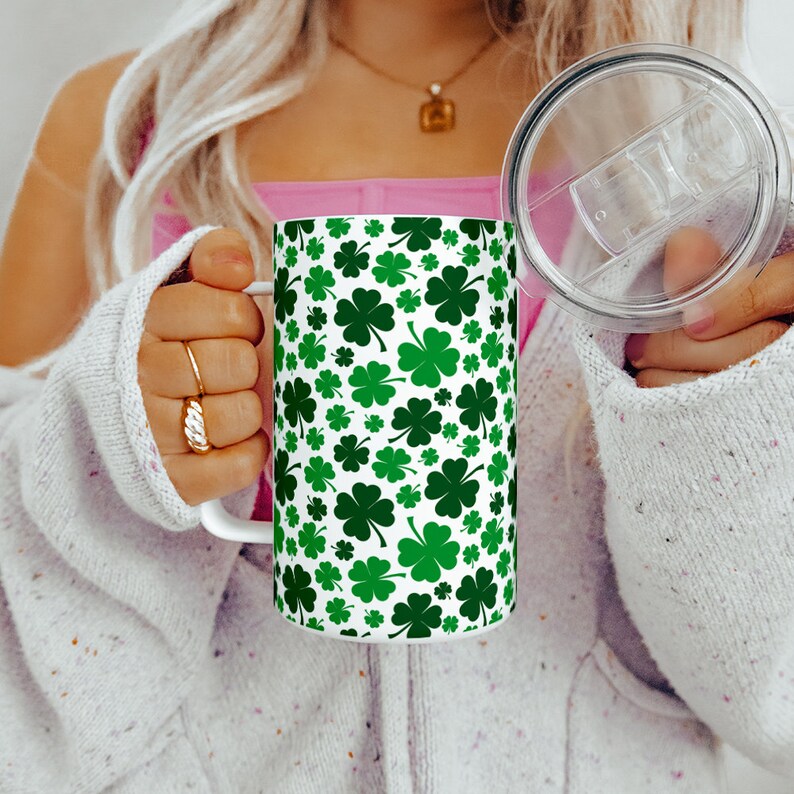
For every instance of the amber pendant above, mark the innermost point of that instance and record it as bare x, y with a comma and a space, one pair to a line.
437, 115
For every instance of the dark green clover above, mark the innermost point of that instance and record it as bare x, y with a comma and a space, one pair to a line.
299, 405
363, 510
298, 592
351, 258
364, 317
284, 297
452, 294
476, 593
286, 483
453, 486
418, 232
477, 404
418, 615
418, 420
475, 229
295, 230
351, 452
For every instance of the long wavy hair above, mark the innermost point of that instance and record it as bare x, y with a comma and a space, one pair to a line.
219, 63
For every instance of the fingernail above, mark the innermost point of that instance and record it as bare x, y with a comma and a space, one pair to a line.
228, 256
698, 319
635, 347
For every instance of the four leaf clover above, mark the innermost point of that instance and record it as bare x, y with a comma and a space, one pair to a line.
430, 552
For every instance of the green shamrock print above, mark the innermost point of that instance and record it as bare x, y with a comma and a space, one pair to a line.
311, 540
392, 464
343, 356
284, 298
316, 318
298, 592
363, 510
409, 496
315, 438
450, 624
364, 316
338, 611
286, 483
497, 283
316, 508
319, 282
299, 405
315, 247
351, 258
429, 553
351, 452
498, 468
450, 238
418, 233
337, 417
476, 593
395, 358
343, 550
453, 294
453, 486
428, 359
492, 536
373, 579
418, 615
473, 521
374, 228
310, 351
418, 420
477, 405
409, 301
338, 227
319, 474
294, 230
392, 268
372, 384
429, 262
492, 349
328, 384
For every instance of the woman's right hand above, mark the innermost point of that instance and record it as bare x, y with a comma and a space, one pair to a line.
223, 325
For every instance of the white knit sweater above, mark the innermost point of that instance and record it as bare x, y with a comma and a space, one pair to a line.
141, 654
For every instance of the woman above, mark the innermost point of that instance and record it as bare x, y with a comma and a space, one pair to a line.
141, 653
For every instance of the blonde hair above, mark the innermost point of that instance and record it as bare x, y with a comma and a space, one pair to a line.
218, 63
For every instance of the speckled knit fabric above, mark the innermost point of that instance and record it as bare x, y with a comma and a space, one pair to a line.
140, 654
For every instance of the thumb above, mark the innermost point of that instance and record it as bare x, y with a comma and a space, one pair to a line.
222, 259
690, 254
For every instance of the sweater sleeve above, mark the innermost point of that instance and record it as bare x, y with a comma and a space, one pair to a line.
699, 519
109, 585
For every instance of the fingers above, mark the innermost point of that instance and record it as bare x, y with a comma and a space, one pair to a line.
228, 419
689, 255
197, 311
198, 478
676, 350
226, 365
222, 259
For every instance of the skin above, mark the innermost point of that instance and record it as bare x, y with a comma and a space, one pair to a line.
43, 277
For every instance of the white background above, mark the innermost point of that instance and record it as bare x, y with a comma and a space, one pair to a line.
43, 41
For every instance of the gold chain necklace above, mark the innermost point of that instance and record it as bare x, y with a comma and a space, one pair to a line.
437, 115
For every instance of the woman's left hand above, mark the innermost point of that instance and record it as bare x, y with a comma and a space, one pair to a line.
720, 337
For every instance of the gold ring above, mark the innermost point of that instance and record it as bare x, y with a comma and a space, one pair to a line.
193, 425
194, 364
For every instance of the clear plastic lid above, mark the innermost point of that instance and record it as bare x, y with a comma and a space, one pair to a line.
620, 151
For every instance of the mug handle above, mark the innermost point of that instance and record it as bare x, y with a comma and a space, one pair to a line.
214, 516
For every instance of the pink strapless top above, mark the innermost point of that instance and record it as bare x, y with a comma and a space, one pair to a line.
477, 197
